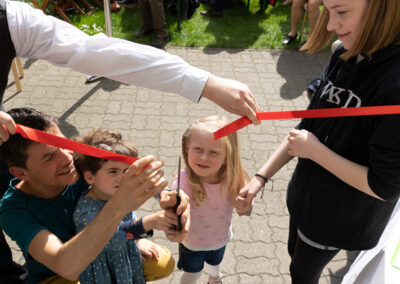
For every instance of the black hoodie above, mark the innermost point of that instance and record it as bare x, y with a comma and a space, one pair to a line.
324, 208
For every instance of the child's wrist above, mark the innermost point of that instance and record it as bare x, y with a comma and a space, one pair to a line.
148, 223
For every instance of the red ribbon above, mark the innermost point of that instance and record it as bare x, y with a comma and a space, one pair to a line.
61, 142
312, 113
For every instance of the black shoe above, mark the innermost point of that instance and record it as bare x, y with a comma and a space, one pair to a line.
128, 3
301, 45
289, 39
142, 32
160, 41
212, 13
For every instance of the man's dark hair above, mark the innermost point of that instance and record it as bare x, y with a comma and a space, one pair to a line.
13, 151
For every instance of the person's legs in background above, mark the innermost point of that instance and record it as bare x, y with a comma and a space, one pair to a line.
295, 16
313, 14
146, 18
159, 23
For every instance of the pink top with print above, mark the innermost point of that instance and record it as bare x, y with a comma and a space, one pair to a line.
210, 223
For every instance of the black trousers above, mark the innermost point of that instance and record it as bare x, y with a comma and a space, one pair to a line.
307, 261
10, 272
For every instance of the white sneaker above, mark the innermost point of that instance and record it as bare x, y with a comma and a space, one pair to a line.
215, 280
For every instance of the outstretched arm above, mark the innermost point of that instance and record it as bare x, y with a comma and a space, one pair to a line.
36, 35
71, 258
246, 195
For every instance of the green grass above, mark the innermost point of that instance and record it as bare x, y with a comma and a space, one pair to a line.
236, 29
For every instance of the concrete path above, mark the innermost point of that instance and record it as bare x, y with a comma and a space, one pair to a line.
154, 122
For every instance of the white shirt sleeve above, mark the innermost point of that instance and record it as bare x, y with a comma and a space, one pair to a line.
36, 35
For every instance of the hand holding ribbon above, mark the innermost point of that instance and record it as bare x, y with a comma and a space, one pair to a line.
312, 113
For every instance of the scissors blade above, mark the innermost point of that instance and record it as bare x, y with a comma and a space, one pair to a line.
179, 175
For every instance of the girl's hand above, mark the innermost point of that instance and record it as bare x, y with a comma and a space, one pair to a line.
165, 221
147, 249
178, 236
168, 202
302, 143
244, 200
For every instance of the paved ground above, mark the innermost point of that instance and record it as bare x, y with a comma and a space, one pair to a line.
155, 121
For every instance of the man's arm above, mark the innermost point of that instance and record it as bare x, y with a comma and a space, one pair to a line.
71, 258
36, 35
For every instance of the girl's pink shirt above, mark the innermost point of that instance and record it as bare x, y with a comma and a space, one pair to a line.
210, 223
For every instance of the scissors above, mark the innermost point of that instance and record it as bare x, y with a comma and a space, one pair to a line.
178, 198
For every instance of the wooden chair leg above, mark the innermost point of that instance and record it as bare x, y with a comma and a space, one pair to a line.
304, 23
60, 11
88, 6
19, 65
36, 4
79, 9
16, 77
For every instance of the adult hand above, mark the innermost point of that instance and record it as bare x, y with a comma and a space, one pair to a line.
232, 96
6, 122
143, 179
302, 143
168, 202
244, 200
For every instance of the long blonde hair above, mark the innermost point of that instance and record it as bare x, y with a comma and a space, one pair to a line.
380, 28
232, 173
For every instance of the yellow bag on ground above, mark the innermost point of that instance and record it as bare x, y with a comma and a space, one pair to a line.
57, 280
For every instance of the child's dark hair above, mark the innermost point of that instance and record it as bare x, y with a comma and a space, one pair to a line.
13, 151
110, 140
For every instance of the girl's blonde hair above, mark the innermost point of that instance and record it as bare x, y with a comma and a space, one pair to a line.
380, 28
232, 174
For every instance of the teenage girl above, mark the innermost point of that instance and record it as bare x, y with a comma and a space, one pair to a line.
346, 182
212, 178
120, 261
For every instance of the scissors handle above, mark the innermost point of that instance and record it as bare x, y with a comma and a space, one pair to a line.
178, 198
178, 202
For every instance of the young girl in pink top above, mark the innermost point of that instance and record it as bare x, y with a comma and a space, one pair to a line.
212, 178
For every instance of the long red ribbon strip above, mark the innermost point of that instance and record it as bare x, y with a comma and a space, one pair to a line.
312, 113
61, 142
47, 138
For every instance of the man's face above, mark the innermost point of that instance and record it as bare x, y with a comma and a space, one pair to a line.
49, 169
